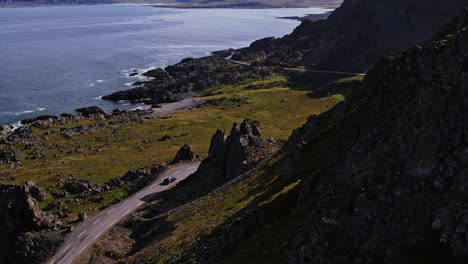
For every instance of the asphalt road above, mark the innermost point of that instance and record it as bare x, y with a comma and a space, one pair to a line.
86, 233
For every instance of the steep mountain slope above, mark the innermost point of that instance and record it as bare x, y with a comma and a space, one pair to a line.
356, 35
380, 178
391, 187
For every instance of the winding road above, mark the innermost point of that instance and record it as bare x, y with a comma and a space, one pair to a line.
86, 233
300, 69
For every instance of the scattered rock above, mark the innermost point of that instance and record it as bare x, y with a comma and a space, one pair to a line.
83, 188
82, 130
165, 138
10, 155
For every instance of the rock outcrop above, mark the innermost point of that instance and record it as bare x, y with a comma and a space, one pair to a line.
138, 178
23, 226
38, 193
238, 151
10, 155
185, 153
90, 111
216, 145
187, 77
83, 188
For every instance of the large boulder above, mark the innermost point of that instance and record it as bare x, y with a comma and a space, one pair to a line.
185, 153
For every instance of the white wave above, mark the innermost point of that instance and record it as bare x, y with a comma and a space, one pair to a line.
17, 125
98, 98
143, 107
29, 111
99, 81
24, 112
129, 84
91, 85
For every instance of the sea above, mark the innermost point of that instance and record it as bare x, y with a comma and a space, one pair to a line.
55, 59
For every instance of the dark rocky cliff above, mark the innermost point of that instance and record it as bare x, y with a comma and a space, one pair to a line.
27, 235
382, 175
356, 35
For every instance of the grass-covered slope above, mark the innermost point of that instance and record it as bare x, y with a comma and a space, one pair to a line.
131, 142
156, 236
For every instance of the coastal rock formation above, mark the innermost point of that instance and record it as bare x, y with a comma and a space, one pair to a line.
185, 153
22, 135
90, 111
21, 223
356, 35
10, 155
43, 121
187, 77
5, 129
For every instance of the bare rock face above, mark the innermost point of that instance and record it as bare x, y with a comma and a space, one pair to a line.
9, 155
20, 215
237, 150
217, 145
38, 193
185, 153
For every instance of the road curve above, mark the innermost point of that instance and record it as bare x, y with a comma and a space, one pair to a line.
86, 233
300, 69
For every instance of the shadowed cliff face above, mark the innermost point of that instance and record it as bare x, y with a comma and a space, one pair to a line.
383, 174
394, 188
356, 35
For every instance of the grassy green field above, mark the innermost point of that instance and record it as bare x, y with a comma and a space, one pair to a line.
131, 142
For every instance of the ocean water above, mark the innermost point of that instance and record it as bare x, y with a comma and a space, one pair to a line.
56, 59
